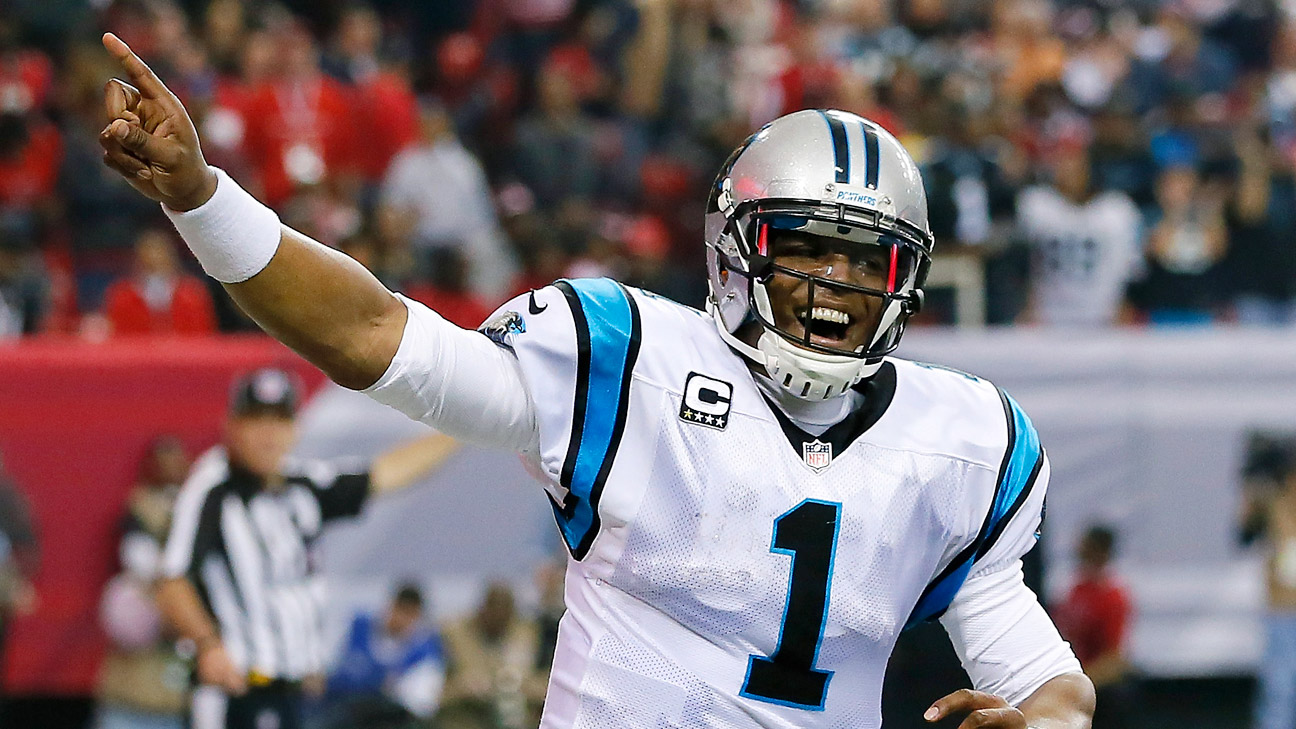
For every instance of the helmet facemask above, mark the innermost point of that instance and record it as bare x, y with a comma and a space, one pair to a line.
831, 290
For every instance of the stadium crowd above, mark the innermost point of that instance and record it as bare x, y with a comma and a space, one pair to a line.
1104, 162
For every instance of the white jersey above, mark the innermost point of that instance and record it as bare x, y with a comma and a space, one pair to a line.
1083, 254
730, 570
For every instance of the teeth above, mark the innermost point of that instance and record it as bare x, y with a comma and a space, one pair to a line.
823, 313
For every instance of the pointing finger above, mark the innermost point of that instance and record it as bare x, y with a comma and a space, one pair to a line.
150, 86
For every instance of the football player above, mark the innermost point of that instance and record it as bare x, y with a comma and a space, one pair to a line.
757, 499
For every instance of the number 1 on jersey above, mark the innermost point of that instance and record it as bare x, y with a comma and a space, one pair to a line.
809, 534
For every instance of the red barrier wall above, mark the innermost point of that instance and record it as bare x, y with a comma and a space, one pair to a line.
75, 419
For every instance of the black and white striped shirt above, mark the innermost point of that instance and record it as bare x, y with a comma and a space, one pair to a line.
248, 551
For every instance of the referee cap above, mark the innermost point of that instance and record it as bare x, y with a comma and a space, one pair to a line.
266, 391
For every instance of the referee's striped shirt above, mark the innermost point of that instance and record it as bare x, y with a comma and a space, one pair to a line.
248, 551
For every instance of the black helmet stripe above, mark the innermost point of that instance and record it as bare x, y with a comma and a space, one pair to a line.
841, 148
871, 156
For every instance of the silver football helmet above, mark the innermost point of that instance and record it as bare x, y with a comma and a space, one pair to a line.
827, 176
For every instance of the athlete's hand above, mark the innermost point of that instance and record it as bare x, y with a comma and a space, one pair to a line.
216, 669
150, 139
984, 711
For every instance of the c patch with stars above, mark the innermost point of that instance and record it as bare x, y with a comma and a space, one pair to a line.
706, 401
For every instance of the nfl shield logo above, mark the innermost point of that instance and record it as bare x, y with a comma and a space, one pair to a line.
817, 454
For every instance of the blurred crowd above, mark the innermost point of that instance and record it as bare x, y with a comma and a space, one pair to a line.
1099, 162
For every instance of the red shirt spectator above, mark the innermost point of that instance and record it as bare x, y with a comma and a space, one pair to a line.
30, 153
1095, 615
391, 130
301, 125
299, 133
446, 289
158, 299
25, 79
355, 60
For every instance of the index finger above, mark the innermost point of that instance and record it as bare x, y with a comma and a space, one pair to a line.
149, 84
962, 701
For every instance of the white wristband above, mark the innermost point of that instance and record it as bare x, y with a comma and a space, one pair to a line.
232, 235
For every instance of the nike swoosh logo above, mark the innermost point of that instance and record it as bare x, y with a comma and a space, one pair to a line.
532, 307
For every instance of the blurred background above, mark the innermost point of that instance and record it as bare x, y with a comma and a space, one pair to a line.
1112, 187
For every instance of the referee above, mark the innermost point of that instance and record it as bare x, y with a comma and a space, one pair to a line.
238, 574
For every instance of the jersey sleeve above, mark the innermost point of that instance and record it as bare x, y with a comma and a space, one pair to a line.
458, 382
1010, 527
1006, 642
1004, 639
577, 343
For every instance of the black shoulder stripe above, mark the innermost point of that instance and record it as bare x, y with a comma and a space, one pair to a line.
1008, 451
999, 528
582, 392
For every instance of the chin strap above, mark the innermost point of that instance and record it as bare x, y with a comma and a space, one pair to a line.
738, 345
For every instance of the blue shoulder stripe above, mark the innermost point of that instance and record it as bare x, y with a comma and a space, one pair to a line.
607, 345
1018, 472
1017, 475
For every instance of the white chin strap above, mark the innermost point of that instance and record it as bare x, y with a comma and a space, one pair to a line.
810, 375
804, 374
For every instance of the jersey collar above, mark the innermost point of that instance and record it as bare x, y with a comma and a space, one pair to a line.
877, 391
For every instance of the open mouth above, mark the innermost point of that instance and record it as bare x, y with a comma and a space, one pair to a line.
826, 325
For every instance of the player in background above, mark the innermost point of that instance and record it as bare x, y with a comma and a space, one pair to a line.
756, 500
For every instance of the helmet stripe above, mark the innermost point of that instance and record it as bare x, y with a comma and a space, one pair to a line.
841, 148
871, 156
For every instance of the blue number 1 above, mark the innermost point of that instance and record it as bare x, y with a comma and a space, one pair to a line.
788, 677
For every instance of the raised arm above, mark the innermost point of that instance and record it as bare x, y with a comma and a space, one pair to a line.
402, 465
318, 301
